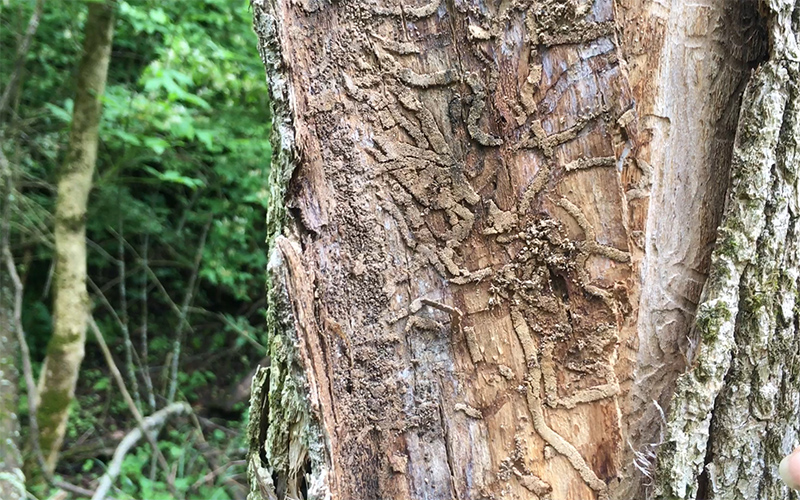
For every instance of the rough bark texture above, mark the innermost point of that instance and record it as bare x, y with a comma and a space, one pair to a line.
12, 480
688, 64
70, 309
491, 226
735, 412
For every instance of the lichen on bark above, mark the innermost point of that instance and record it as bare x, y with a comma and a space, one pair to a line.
734, 413
12, 480
287, 453
65, 349
287, 456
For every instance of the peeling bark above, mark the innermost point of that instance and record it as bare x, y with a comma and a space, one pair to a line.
490, 229
687, 63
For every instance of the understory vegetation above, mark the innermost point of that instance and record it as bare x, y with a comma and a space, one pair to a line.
174, 231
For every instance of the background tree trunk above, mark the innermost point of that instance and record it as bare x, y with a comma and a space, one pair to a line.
71, 306
491, 229
12, 480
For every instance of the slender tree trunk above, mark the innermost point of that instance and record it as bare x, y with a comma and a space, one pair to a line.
66, 347
491, 229
12, 480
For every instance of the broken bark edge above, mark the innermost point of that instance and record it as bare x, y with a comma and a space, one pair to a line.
685, 457
287, 445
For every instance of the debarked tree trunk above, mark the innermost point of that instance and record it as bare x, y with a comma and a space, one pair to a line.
491, 230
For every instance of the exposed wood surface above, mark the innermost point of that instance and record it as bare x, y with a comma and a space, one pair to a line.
687, 63
463, 223
461, 232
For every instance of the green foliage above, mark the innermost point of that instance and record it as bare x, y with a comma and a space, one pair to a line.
184, 151
192, 472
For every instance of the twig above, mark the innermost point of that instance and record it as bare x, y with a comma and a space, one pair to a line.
30, 385
233, 486
155, 279
100, 295
206, 422
101, 251
154, 421
49, 281
98, 292
5, 181
148, 382
187, 300
216, 472
231, 324
123, 298
22, 51
128, 399
27, 370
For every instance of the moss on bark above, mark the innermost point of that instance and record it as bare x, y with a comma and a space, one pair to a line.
734, 414
285, 439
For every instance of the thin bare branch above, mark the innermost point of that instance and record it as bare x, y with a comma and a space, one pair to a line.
233, 487
128, 399
153, 277
22, 52
148, 382
27, 370
154, 421
231, 324
123, 299
187, 301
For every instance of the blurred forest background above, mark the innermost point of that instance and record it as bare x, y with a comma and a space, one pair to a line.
174, 231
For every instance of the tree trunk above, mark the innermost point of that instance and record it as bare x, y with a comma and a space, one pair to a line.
12, 480
71, 306
491, 229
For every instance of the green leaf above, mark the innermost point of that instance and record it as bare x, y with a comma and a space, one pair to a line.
157, 144
102, 384
62, 114
158, 16
126, 137
182, 484
175, 177
207, 138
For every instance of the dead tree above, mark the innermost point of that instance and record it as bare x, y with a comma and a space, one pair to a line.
529, 249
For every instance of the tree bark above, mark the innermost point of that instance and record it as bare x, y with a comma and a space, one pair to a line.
736, 411
66, 347
12, 479
491, 228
